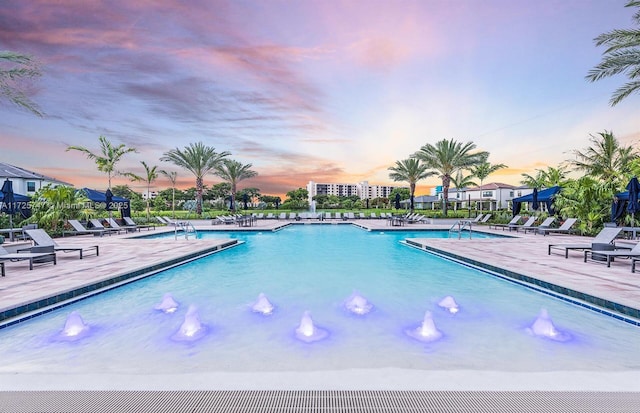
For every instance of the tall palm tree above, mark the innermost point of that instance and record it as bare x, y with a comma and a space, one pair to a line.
448, 157
621, 56
173, 177
11, 79
198, 159
151, 174
482, 171
410, 170
234, 172
108, 157
546, 178
606, 159
463, 181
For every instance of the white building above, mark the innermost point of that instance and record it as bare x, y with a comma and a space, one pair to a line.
26, 182
362, 189
493, 196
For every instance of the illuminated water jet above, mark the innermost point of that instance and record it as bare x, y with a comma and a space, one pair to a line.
263, 305
191, 328
168, 304
543, 327
74, 327
427, 331
357, 304
308, 332
449, 304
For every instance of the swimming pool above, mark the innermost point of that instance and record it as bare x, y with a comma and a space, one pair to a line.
316, 268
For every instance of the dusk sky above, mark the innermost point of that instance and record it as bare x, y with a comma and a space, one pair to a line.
330, 91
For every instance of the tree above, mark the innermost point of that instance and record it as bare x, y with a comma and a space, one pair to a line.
108, 157
482, 171
621, 56
198, 159
447, 157
58, 204
410, 170
151, 174
297, 199
23, 67
233, 172
546, 179
606, 159
173, 177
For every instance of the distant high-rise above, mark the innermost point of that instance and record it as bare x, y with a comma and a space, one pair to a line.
362, 189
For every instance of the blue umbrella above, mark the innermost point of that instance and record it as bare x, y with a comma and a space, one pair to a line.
534, 201
398, 201
634, 189
8, 203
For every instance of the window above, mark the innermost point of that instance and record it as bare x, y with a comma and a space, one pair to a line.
486, 194
510, 194
31, 186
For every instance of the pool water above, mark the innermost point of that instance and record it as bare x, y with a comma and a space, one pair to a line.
316, 268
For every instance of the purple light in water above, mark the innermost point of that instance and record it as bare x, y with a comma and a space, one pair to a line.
168, 304
357, 304
427, 331
543, 327
308, 332
263, 305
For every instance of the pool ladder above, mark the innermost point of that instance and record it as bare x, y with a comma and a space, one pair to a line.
459, 226
187, 228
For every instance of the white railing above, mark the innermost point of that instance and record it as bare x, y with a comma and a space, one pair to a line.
186, 227
460, 225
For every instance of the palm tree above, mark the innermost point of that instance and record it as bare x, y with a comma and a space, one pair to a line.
10, 79
621, 56
546, 179
410, 170
482, 171
463, 181
448, 157
606, 159
173, 176
198, 159
108, 158
234, 172
151, 174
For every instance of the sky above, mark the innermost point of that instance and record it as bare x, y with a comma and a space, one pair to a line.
326, 90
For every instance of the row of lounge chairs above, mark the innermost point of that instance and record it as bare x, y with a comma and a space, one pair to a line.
545, 228
98, 228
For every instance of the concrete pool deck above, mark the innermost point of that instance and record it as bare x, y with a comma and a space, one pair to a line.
524, 254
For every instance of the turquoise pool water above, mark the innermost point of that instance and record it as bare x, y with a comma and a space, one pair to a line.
316, 268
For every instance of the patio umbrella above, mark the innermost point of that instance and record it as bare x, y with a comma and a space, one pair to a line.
108, 196
534, 201
397, 201
634, 189
9, 205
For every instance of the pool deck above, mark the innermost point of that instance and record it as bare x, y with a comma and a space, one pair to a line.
521, 254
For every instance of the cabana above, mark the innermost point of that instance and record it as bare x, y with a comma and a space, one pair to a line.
546, 196
22, 204
115, 203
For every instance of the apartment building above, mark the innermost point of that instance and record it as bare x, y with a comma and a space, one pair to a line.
362, 189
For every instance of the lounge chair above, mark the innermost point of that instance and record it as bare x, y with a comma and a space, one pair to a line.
545, 224
361, 215
477, 218
79, 229
606, 236
338, 215
485, 219
528, 224
514, 221
565, 228
98, 225
129, 228
130, 222
350, 215
293, 215
270, 216
600, 255
37, 256
41, 238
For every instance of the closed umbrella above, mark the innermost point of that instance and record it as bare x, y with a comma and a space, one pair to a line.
245, 200
397, 201
634, 189
534, 201
9, 205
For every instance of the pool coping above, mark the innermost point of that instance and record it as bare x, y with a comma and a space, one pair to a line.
610, 308
26, 311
